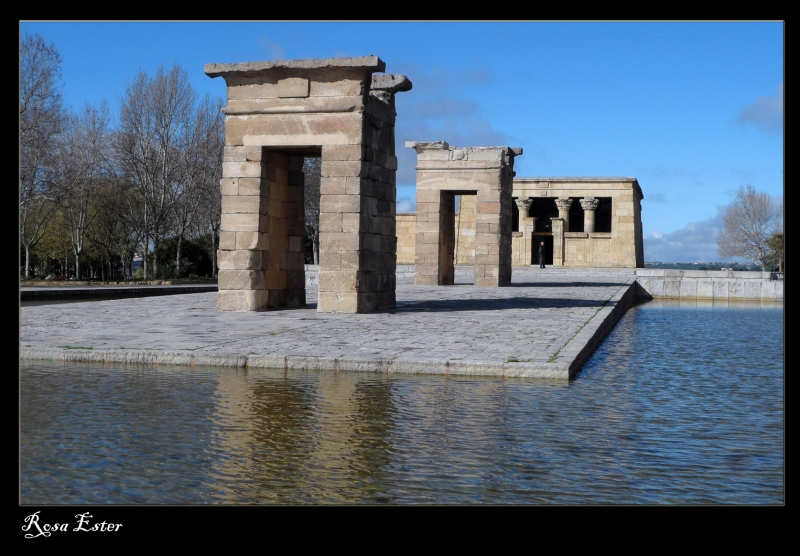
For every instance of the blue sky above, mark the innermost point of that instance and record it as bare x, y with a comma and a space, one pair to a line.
693, 110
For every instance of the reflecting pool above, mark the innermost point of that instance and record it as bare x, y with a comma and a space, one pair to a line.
679, 405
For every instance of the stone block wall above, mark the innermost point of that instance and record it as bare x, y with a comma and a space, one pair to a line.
406, 236
261, 248
465, 230
464, 234
724, 285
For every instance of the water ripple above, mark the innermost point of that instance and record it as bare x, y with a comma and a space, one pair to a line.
677, 406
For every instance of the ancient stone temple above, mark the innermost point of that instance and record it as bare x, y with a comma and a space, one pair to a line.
278, 113
584, 222
443, 172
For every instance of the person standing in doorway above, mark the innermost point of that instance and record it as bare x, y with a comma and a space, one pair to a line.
541, 255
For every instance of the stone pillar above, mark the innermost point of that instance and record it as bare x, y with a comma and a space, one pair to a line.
559, 226
563, 204
428, 237
243, 246
444, 171
589, 205
526, 225
524, 206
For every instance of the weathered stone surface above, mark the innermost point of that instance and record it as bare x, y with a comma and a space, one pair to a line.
371, 63
250, 240
390, 83
240, 260
241, 300
293, 87
241, 280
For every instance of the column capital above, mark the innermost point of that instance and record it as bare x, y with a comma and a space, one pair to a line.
589, 203
524, 205
563, 203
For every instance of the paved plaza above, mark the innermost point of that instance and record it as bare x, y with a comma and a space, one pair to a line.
544, 325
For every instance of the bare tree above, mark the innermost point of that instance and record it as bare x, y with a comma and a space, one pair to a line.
312, 173
79, 168
749, 223
154, 133
213, 149
40, 122
203, 170
106, 232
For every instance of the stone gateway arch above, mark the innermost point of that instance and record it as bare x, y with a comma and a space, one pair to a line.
279, 112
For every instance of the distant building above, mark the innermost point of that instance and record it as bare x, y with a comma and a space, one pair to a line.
584, 222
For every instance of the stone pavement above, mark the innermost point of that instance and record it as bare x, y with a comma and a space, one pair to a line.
544, 325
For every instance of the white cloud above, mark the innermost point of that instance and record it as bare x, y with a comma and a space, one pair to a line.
696, 242
765, 113
437, 111
275, 50
457, 122
406, 204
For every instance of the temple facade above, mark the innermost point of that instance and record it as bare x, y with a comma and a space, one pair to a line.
583, 222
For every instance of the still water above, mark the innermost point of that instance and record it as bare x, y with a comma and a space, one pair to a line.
679, 405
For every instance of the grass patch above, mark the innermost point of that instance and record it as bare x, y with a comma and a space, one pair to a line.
252, 353
76, 347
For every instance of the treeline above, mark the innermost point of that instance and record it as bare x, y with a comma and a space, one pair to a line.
97, 192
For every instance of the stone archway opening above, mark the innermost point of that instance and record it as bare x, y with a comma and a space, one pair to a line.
444, 172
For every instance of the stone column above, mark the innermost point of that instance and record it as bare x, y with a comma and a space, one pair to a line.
563, 204
589, 205
526, 225
243, 247
524, 206
559, 225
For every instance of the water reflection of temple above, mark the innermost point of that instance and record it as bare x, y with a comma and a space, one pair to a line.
314, 438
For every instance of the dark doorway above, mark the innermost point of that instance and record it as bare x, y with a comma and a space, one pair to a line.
576, 215
602, 216
544, 209
312, 179
548, 249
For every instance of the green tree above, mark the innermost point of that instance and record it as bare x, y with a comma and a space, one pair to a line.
775, 244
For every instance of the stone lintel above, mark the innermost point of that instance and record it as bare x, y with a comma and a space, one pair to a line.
625, 183
425, 145
250, 69
468, 156
390, 83
576, 179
